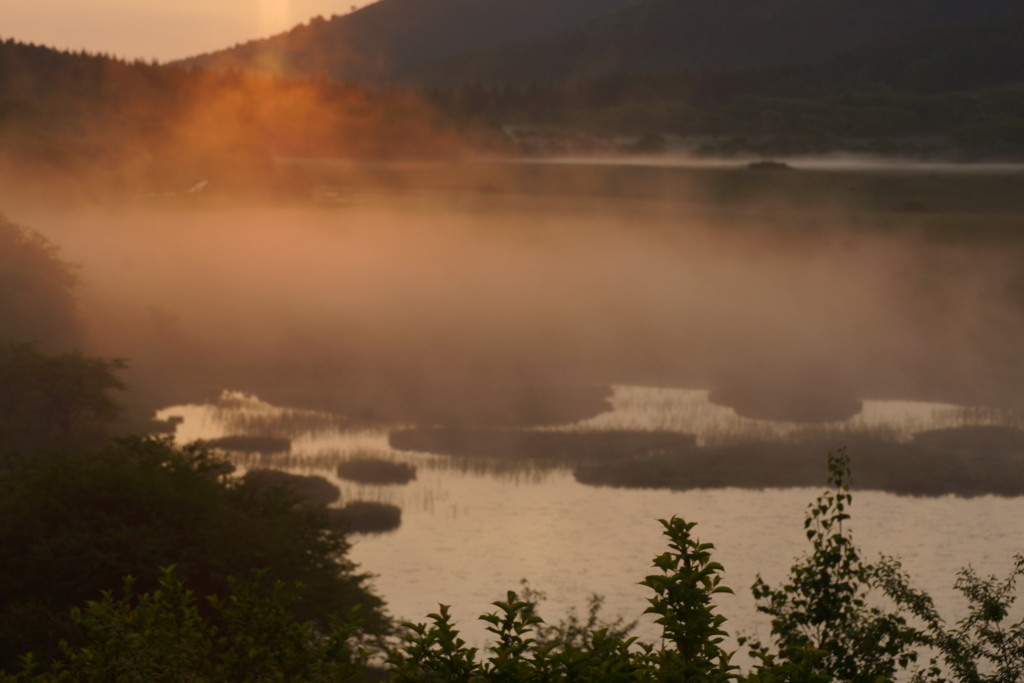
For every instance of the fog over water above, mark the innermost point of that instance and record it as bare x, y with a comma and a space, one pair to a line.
355, 311
472, 529
401, 294
829, 162
491, 337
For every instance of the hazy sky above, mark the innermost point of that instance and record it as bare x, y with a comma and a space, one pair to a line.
156, 29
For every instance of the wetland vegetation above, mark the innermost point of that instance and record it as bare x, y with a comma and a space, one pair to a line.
375, 471
968, 461
251, 444
366, 517
905, 469
972, 460
312, 489
562, 447
835, 616
476, 309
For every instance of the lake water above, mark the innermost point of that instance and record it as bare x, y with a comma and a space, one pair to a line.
472, 529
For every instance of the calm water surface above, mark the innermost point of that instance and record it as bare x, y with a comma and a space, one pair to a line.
473, 529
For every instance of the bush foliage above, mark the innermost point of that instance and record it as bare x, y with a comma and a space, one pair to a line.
837, 619
73, 525
37, 290
51, 400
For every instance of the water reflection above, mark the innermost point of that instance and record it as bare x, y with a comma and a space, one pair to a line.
691, 412
472, 528
687, 411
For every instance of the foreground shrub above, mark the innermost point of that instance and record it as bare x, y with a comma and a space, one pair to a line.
983, 647
60, 400
837, 619
38, 290
684, 590
828, 624
249, 634
74, 525
825, 605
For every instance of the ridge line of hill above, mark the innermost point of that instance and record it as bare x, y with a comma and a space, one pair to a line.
389, 36
664, 36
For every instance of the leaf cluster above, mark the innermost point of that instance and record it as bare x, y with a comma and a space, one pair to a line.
55, 399
573, 631
37, 289
435, 652
827, 620
822, 618
250, 634
73, 525
526, 649
683, 595
986, 646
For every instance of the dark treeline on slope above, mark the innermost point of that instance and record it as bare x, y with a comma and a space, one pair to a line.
139, 127
37, 291
938, 89
989, 124
138, 124
388, 37
931, 62
449, 42
666, 36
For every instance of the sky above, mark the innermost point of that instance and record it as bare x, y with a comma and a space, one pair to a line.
156, 29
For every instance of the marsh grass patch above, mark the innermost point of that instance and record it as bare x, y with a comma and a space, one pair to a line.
375, 471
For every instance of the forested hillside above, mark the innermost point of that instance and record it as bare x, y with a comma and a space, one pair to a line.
949, 91
392, 36
769, 79
146, 126
708, 35
930, 61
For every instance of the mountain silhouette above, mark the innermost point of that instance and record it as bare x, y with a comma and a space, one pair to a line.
707, 35
393, 36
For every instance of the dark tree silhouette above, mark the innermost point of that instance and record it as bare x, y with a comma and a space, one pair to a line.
37, 290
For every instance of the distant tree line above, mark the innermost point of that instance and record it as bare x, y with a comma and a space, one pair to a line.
988, 124
38, 290
50, 393
140, 126
931, 61
949, 84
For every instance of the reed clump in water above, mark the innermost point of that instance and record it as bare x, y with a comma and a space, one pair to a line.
980, 439
538, 445
251, 444
375, 471
907, 469
365, 517
312, 489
